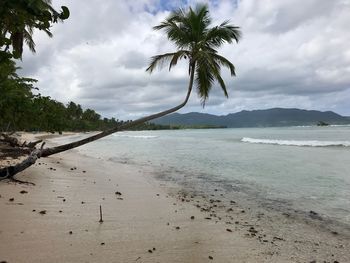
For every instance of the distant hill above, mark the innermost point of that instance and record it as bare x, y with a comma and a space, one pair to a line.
275, 117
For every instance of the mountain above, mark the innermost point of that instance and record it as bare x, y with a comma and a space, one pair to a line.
257, 118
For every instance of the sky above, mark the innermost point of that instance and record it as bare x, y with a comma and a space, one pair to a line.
293, 54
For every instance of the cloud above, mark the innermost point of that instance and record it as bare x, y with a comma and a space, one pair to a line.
294, 53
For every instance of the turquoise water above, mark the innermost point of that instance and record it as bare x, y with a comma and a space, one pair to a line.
298, 168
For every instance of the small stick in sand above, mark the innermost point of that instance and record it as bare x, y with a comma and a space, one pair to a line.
101, 221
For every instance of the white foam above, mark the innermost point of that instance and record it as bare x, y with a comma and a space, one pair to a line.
135, 136
313, 143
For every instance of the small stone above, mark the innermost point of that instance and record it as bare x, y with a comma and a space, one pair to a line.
103, 243
11, 199
70, 232
33, 210
64, 200
228, 230
118, 193
42, 212
60, 211
154, 249
210, 257
84, 171
192, 217
150, 251
177, 228
23, 192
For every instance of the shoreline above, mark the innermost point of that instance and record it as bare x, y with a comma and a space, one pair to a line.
148, 213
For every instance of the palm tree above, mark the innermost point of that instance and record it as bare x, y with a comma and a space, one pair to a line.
197, 43
20, 18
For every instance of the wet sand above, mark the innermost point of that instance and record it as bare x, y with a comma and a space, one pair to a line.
144, 220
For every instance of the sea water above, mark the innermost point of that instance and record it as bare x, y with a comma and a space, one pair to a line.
294, 168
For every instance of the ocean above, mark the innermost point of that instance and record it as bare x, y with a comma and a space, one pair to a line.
298, 169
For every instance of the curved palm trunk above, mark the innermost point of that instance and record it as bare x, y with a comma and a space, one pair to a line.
68, 146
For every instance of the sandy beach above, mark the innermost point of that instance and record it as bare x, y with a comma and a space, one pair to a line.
144, 220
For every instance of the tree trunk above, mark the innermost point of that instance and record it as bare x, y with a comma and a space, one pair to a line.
68, 146
9, 172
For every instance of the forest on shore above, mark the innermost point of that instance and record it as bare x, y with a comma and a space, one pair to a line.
24, 109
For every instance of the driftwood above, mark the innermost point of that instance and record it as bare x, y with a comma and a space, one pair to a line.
19, 149
14, 142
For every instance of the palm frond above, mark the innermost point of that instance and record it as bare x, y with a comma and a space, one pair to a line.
160, 60
178, 55
204, 79
225, 62
27, 36
225, 32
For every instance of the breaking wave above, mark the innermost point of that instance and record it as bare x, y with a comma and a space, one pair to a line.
312, 143
135, 136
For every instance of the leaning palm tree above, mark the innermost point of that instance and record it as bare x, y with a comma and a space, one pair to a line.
197, 43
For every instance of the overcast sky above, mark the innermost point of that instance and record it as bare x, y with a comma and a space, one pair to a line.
294, 53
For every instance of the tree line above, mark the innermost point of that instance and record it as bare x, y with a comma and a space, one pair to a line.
23, 110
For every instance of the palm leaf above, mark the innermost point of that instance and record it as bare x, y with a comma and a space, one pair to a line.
160, 60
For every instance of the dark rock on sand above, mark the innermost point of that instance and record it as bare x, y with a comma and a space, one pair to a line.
150, 251
23, 192
314, 215
192, 217
11, 199
210, 257
253, 230
42, 212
